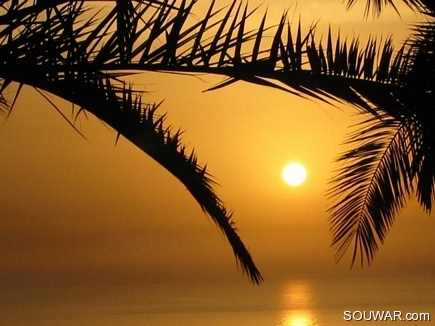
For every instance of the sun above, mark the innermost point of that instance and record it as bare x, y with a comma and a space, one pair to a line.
294, 174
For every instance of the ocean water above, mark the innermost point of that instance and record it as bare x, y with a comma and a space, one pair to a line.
294, 302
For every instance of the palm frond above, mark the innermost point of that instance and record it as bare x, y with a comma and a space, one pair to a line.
419, 81
122, 108
393, 155
295, 59
377, 6
68, 57
372, 185
54, 42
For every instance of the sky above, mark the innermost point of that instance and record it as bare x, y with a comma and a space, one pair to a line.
79, 211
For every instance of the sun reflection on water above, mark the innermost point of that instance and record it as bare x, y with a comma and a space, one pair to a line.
298, 318
297, 304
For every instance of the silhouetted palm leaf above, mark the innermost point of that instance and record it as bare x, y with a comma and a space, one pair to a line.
53, 48
373, 183
377, 6
393, 154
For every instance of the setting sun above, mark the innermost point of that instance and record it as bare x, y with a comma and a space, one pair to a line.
294, 174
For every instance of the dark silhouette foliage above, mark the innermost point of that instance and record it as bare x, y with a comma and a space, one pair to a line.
82, 53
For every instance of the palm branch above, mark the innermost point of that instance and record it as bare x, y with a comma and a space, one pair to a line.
377, 6
52, 48
392, 154
393, 151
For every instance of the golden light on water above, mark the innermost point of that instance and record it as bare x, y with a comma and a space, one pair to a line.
297, 303
298, 318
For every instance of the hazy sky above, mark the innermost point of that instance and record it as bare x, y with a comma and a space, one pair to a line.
76, 210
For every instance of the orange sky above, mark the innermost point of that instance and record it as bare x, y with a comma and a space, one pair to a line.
76, 210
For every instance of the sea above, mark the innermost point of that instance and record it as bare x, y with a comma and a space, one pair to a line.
322, 301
